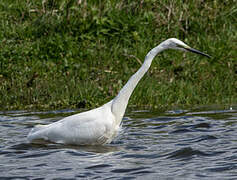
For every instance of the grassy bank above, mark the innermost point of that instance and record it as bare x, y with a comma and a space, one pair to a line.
78, 54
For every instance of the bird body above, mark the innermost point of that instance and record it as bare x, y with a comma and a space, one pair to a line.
97, 126
101, 125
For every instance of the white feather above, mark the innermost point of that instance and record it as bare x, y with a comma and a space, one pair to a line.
101, 125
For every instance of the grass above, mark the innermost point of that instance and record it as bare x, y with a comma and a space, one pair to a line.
78, 54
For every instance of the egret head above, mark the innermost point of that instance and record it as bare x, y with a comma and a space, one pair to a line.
174, 43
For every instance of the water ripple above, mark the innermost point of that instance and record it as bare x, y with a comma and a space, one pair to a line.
186, 152
99, 166
127, 170
177, 144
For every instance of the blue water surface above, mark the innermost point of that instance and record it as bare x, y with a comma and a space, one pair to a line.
198, 143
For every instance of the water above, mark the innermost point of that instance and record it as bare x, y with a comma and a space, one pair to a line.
177, 144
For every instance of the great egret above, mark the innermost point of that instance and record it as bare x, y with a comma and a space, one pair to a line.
101, 125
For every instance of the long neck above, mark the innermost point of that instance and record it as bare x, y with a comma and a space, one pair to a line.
119, 103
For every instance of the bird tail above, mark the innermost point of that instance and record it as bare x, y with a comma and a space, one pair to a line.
35, 132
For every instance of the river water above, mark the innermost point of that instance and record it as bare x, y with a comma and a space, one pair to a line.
177, 144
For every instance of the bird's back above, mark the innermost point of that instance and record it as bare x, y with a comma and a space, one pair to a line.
96, 126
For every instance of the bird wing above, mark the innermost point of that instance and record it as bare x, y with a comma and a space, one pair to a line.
86, 131
89, 127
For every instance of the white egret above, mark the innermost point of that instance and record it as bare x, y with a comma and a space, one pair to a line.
101, 125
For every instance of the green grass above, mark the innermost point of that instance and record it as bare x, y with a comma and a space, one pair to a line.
67, 54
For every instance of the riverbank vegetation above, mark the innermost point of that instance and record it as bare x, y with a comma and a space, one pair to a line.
79, 53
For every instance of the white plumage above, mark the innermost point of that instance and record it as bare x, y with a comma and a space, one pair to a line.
97, 126
101, 125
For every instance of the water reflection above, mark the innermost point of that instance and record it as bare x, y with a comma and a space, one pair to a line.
177, 144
